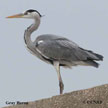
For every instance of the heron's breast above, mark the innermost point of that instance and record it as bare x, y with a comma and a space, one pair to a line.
30, 50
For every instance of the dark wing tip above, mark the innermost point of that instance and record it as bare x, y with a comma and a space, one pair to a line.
99, 56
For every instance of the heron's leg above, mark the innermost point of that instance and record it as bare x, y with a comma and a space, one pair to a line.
61, 85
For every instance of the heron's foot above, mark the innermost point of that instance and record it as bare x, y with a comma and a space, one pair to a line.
61, 85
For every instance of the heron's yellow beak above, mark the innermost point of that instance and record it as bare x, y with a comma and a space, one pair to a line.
16, 16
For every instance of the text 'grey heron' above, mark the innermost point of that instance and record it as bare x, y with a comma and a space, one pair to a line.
56, 50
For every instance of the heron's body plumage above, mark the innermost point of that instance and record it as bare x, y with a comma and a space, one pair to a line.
63, 50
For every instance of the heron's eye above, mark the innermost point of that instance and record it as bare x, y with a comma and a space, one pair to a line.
26, 13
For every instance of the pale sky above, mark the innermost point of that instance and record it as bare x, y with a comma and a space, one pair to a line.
23, 77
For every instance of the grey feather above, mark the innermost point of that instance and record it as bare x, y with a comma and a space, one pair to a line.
65, 51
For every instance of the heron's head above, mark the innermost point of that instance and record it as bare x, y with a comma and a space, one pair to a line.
31, 14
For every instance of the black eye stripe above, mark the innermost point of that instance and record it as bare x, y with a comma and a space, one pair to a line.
25, 13
31, 10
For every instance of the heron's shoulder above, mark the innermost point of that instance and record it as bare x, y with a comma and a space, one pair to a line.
49, 37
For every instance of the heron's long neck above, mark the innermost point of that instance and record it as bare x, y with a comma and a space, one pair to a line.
30, 30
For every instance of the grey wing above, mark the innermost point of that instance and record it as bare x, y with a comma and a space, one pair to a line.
62, 49
56, 49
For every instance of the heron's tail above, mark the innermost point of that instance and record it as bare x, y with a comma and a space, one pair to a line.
92, 55
92, 63
92, 58
99, 57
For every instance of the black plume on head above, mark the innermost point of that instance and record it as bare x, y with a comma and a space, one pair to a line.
31, 10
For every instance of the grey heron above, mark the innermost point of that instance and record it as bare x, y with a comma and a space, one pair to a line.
56, 50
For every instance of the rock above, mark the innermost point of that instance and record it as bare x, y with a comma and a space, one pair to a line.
96, 97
